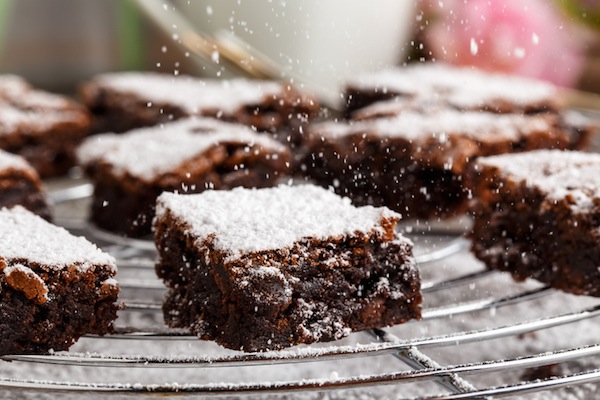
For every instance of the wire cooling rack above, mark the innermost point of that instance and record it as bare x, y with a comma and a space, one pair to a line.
482, 336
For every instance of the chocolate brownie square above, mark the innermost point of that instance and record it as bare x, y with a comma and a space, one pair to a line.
536, 216
55, 287
463, 88
21, 185
414, 162
191, 155
270, 268
123, 101
44, 128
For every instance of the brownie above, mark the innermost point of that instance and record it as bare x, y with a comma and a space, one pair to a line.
414, 162
191, 155
123, 101
55, 287
536, 216
463, 88
578, 127
20, 184
44, 128
265, 269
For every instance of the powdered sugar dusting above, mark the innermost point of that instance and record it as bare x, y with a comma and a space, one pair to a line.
462, 87
16, 89
397, 105
569, 175
415, 125
148, 152
25, 236
191, 94
12, 161
12, 85
13, 118
29, 110
250, 220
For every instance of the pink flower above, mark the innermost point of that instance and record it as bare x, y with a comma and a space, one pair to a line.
514, 36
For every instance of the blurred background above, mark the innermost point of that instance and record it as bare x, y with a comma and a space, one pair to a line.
57, 43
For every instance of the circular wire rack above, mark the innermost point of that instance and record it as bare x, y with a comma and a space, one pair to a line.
482, 335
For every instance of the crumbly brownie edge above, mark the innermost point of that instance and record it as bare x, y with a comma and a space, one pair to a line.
20, 187
47, 309
515, 231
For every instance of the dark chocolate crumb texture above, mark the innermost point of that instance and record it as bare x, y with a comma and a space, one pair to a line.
536, 215
264, 269
55, 287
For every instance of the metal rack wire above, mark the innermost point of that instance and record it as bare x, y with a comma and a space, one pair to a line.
143, 293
